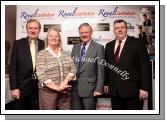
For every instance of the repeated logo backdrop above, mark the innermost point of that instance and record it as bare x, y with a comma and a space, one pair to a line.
68, 18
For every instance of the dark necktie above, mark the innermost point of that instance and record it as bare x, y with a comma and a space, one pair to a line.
82, 54
116, 55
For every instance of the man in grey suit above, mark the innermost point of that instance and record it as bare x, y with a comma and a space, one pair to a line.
87, 56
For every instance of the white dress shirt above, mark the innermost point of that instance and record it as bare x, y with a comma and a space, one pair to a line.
122, 45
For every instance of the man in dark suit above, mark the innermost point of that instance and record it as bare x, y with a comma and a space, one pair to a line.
147, 21
23, 83
129, 72
143, 35
90, 74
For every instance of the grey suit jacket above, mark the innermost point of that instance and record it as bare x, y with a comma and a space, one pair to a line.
90, 76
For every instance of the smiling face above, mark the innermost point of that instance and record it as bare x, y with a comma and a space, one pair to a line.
33, 30
120, 30
85, 33
53, 38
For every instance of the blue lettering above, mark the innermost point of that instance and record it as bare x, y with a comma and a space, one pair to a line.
61, 12
107, 14
67, 14
114, 13
75, 11
28, 16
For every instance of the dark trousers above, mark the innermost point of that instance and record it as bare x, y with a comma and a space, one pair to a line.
27, 102
82, 103
119, 103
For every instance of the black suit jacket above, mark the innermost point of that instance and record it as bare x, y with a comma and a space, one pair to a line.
143, 36
21, 67
147, 23
133, 63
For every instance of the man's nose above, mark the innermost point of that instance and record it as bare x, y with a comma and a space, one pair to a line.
84, 35
32, 30
120, 29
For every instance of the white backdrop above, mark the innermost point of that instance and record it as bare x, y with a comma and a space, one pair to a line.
70, 17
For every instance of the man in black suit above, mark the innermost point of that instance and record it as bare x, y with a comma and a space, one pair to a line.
128, 70
23, 83
143, 35
147, 21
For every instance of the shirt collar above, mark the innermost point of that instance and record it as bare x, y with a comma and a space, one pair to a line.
36, 40
48, 48
123, 41
87, 44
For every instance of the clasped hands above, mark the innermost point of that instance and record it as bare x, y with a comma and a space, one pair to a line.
64, 87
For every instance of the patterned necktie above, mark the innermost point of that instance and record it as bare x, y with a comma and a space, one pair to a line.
32, 49
82, 54
116, 55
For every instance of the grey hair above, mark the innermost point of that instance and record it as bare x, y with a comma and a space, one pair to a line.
86, 24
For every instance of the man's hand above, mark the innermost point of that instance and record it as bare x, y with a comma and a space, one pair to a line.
15, 93
106, 89
143, 94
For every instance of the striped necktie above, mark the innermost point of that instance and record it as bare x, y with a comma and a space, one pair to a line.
82, 54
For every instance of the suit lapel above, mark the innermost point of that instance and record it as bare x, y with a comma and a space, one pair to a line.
88, 54
26, 48
89, 50
112, 49
124, 50
78, 52
111, 52
40, 45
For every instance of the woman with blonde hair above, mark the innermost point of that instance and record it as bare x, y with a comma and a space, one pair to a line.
55, 69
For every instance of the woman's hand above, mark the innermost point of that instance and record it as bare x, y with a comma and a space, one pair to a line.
63, 85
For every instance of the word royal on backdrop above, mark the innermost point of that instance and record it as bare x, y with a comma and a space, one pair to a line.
25, 15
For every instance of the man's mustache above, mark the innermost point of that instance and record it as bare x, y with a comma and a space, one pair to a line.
84, 37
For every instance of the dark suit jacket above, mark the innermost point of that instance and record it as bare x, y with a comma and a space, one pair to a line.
21, 68
147, 23
134, 59
143, 36
90, 76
